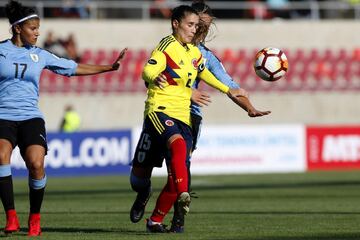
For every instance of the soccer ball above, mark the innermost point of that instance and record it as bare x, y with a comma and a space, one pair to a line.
270, 64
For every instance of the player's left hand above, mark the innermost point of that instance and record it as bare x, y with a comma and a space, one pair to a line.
200, 98
256, 113
244, 103
160, 81
117, 62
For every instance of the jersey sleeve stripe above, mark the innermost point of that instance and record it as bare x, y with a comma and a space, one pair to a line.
165, 45
164, 41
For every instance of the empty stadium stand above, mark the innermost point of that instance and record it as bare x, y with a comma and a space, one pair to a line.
309, 70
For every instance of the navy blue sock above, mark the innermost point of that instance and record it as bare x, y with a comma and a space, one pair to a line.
6, 187
7, 192
36, 197
36, 193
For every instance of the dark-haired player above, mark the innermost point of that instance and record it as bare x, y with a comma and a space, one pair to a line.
200, 98
21, 122
169, 74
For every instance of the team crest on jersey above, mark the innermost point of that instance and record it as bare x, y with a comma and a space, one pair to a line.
34, 57
169, 123
194, 63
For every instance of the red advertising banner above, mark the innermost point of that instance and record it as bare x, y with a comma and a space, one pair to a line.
333, 148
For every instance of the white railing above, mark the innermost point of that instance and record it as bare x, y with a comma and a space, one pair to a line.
95, 9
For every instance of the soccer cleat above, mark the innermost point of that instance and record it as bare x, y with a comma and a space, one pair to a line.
184, 203
34, 224
12, 222
138, 208
155, 228
183, 207
176, 228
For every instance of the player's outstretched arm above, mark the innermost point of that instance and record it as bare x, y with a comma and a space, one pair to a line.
89, 69
244, 103
234, 94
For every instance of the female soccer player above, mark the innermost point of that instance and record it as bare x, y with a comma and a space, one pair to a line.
169, 74
200, 98
21, 122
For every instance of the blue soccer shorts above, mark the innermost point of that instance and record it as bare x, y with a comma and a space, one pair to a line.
152, 148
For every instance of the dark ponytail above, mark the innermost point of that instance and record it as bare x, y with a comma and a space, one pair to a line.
15, 11
201, 7
204, 32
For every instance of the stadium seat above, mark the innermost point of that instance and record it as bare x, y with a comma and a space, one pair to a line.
100, 57
86, 56
309, 70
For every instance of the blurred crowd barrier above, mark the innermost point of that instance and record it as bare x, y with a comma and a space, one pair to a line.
230, 9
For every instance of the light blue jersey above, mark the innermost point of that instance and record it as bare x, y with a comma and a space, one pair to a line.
20, 70
215, 66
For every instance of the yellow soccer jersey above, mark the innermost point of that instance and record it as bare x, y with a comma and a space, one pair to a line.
181, 64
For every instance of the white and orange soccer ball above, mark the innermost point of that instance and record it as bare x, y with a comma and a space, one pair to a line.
270, 64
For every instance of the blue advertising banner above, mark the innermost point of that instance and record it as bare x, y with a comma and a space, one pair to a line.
83, 153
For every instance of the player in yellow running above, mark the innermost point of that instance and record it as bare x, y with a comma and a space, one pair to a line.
169, 74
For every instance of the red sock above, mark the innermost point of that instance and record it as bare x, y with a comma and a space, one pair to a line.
165, 201
177, 181
178, 165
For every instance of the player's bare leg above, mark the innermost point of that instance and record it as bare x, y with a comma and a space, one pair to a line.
34, 158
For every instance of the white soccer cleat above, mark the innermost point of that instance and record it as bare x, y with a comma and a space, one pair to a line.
184, 203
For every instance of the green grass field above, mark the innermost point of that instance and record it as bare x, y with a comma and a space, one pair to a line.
321, 205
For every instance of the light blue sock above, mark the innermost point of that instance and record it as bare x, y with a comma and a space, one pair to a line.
37, 184
5, 170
